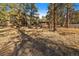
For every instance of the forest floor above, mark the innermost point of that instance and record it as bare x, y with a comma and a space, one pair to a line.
65, 41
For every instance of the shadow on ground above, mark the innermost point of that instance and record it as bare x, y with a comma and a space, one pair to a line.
41, 47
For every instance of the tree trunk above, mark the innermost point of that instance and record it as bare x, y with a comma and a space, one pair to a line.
54, 18
50, 25
67, 19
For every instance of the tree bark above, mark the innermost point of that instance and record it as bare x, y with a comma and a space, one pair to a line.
67, 19
54, 18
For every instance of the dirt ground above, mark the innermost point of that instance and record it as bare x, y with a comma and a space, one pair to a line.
39, 42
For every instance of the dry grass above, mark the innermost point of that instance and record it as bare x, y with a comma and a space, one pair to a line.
65, 41
7, 37
69, 30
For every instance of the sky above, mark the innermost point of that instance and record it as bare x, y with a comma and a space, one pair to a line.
42, 8
76, 6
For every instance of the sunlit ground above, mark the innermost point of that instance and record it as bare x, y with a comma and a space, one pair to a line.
65, 41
